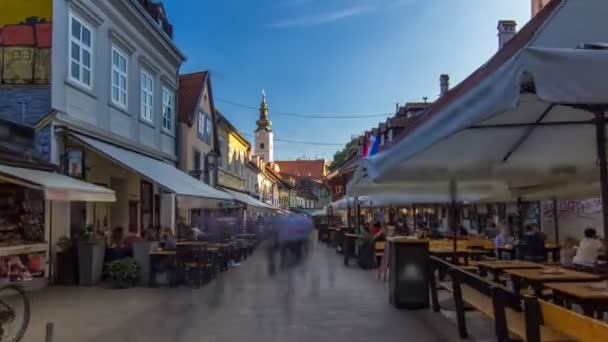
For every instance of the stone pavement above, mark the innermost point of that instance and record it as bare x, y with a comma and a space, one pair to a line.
320, 300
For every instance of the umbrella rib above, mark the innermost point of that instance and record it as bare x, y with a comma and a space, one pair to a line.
527, 133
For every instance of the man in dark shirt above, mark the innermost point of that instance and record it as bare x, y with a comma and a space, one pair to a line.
533, 244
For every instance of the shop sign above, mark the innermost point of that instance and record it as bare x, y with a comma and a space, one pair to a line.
75, 162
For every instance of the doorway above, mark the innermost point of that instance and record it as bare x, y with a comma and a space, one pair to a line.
133, 216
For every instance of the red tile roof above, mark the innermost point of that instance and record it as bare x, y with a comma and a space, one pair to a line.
190, 89
44, 35
18, 35
518, 42
307, 168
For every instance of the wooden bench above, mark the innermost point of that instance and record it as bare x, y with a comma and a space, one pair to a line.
491, 299
541, 316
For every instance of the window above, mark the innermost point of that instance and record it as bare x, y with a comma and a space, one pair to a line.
221, 146
119, 77
208, 127
261, 146
197, 160
201, 124
147, 96
168, 108
16, 55
81, 45
27, 55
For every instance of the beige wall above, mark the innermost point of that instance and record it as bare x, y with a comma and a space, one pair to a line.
189, 138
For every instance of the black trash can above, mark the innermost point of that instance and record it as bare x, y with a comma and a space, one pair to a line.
409, 273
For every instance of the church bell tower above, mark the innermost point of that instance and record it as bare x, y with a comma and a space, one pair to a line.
264, 138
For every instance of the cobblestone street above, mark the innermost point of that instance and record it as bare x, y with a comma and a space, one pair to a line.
320, 300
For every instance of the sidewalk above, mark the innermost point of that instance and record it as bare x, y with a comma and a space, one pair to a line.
320, 300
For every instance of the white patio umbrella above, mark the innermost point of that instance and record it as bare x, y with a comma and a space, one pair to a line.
535, 123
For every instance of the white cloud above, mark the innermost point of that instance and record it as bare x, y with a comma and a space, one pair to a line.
324, 18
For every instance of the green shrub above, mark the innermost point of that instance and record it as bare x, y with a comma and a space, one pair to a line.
124, 270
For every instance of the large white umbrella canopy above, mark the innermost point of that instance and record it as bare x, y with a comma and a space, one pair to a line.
498, 131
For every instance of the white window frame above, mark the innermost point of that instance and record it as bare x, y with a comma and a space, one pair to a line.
208, 128
168, 97
201, 124
115, 69
146, 95
82, 47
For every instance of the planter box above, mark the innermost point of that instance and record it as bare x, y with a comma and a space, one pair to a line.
67, 267
90, 262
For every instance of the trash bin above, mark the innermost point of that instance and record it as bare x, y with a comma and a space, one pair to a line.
409, 273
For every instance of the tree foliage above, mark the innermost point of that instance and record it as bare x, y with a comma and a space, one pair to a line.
340, 156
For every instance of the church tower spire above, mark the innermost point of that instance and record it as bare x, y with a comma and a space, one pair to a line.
264, 137
263, 123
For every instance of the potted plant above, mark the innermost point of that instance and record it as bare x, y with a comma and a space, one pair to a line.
67, 266
123, 272
367, 253
91, 250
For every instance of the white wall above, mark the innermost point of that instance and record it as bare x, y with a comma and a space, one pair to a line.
573, 217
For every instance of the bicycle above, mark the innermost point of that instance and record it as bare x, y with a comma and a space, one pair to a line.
14, 313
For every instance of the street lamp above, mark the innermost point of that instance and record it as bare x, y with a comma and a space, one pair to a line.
211, 168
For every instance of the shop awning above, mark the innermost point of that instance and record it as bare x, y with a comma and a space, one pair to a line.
248, 200
167, 175
57, 186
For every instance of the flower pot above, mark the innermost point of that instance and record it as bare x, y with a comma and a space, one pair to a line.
67, 267
90, 262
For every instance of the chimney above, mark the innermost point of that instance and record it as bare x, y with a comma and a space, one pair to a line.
506, 30
444, 84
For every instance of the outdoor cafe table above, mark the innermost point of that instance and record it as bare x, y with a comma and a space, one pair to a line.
590, 299
192, 243
496, 267
155, 256
537, 278
445, 253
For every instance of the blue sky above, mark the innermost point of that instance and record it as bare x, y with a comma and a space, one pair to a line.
333, 57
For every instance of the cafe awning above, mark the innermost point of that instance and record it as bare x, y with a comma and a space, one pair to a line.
56, 186
248, 200
166, 175
525, 124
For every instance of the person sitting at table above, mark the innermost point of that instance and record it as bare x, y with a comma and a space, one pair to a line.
131, 238
168, 240
503, 239
589, 249
116, 239
533, 244
568, 251
376, 228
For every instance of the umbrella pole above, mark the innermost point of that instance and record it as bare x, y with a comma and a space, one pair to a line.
452, 222
555, 223
520, 218
600, 129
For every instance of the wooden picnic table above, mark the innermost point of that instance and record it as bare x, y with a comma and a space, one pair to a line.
590, 299
155, 256
496, 267
444, 253
192, 243
537, 278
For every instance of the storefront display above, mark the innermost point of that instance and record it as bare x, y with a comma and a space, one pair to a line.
23, 251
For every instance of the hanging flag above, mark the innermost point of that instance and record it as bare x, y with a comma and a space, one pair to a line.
375, 145
366, 145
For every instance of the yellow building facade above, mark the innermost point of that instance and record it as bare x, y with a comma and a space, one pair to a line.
234, 150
